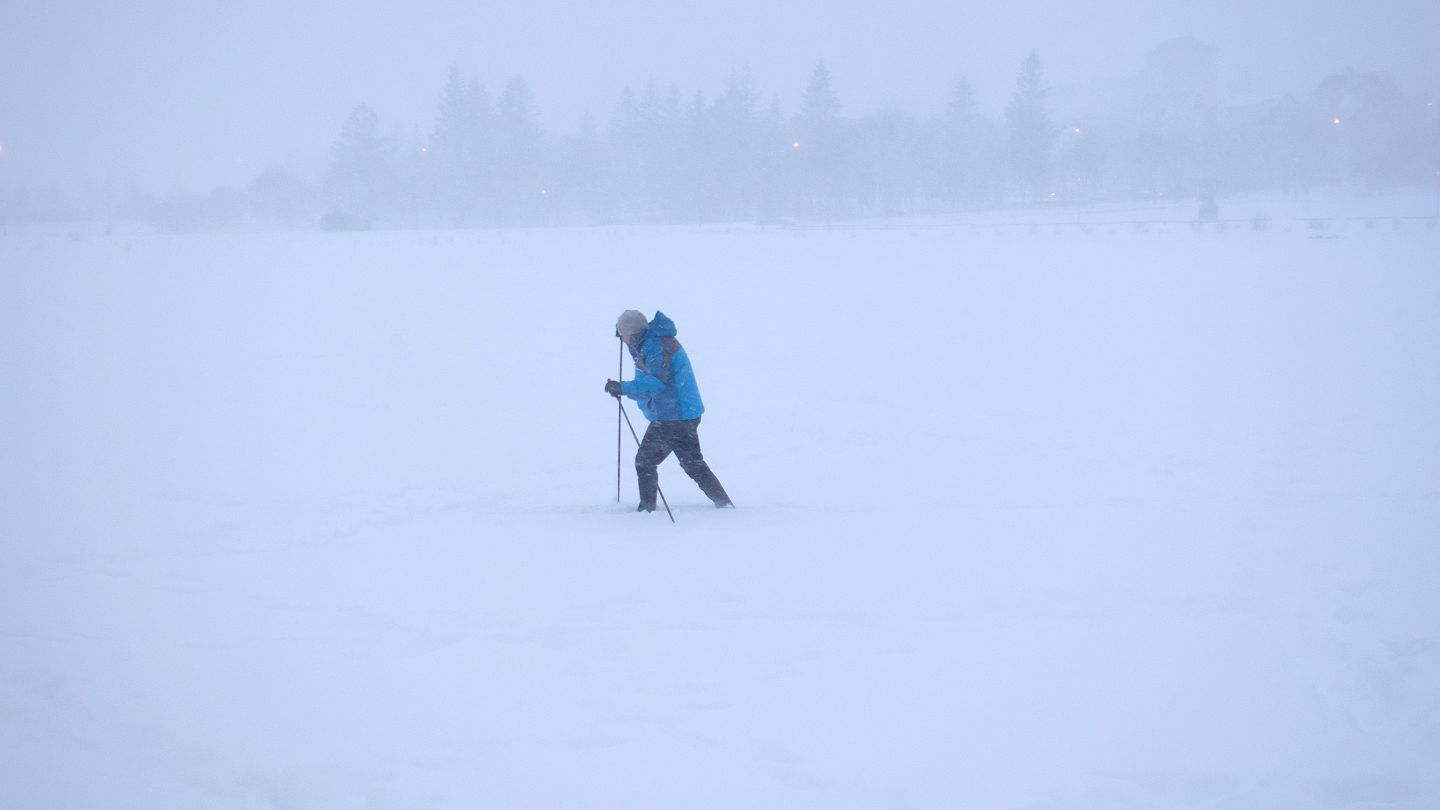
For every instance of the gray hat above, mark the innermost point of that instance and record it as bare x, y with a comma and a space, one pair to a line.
631, 322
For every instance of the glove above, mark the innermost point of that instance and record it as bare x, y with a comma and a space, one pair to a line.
612, 388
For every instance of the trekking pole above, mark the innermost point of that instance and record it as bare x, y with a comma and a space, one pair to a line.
619, 412
658, 490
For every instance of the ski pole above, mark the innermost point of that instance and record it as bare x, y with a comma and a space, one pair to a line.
619, 412
658, 490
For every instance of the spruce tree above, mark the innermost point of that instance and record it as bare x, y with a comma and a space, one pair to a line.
965, 150
1031, 132
819, 106
358, 178
816, 148
736, 144
460, 155
519, 183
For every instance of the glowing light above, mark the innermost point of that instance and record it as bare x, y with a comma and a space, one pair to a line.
1335, 120
1077, 130
795, 145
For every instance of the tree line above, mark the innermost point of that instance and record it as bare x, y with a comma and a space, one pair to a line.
661, 156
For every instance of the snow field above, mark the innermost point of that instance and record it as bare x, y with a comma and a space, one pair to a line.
1129, 519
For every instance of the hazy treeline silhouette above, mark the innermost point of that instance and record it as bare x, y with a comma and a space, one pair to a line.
661, 156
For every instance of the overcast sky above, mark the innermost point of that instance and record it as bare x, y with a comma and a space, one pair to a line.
184, 95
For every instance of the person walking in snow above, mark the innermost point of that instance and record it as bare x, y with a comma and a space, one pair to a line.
664, 386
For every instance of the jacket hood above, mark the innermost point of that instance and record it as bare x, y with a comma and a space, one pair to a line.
661, 326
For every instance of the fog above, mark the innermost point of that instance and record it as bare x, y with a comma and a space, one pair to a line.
178, 98
1074, 371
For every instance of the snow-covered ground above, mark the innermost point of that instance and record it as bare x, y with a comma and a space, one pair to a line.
1035, 511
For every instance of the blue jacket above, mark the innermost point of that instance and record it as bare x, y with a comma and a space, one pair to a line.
664, 383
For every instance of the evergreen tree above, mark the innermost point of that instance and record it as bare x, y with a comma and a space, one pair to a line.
519, 122
657, 150
889, 177
625, 145
647, 137
736, 146
520, 184
460, 157
816, 150
771, 194
583, 189
819, 106
965, 152
1031, 132
697, 175
359, 177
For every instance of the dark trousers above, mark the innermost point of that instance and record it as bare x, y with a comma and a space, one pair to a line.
683, 439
